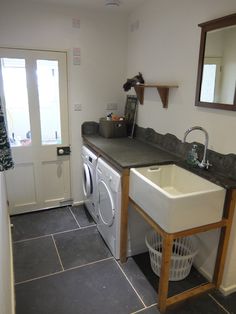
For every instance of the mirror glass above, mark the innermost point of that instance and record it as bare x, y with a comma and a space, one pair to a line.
219, 67
216, 85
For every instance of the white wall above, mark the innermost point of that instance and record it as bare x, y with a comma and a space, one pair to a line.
165, 48
6, 273
102, 39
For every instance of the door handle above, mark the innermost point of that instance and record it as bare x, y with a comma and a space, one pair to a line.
63, 150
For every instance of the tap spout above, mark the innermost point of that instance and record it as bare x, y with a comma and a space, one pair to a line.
203, 163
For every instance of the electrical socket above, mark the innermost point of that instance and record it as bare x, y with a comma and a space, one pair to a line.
77, 107
112, 106
76, 60
134, 26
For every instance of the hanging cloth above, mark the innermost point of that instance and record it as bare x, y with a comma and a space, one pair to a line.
6, 161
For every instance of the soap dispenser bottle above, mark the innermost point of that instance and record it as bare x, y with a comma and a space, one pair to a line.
192, 157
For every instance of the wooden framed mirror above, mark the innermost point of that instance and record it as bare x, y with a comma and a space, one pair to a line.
216, 80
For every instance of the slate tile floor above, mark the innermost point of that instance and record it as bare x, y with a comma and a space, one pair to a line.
63, 266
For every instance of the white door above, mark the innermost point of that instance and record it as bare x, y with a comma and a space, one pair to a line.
33, 89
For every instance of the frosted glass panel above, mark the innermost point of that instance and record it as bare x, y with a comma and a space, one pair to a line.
49, 102
16, 99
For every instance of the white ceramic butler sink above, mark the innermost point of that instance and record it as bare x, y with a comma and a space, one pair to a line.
176, 198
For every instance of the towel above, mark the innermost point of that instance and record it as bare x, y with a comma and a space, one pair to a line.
6, 161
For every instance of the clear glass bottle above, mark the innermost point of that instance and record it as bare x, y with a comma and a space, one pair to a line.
192, 157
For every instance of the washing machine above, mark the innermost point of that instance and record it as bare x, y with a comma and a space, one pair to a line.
89, 160
109, 213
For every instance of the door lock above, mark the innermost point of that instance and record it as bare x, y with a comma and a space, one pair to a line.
63, 150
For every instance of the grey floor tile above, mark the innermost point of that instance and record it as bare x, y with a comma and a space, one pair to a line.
35, 258
143, 265
141, 283
100, 288
202, 304
228, 302
151, 310
82, 216
192, 280
81, 247
96, 288
36, 224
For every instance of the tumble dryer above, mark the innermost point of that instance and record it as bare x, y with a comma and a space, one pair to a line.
89, 160
109, 213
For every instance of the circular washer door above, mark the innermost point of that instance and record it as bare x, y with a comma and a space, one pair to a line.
87, 181
106, 207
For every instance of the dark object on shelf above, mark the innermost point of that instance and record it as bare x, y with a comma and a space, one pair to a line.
130, 113
133, 81
109, 129
89, 128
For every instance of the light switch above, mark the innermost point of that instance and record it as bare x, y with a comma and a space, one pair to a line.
76, 60
76, 22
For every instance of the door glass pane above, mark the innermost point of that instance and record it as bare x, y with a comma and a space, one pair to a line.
16, 99
49, 102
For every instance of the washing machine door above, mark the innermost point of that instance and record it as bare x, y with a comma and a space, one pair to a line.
87, 181
106, 209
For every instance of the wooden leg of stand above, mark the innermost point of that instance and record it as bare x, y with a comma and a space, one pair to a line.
164, 274
224, 238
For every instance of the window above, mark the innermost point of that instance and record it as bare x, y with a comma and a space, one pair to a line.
49, 102
16, 99
210, 88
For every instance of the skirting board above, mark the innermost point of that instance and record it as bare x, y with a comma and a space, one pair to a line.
227, 290
224, 290
78, 203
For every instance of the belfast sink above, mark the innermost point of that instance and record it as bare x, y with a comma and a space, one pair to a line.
175, 198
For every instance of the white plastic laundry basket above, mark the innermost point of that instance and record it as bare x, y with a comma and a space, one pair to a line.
183, 253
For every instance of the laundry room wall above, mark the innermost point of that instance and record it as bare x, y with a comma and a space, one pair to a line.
97, 81
6, 270
163, 44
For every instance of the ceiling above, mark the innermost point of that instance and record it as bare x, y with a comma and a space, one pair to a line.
126, 6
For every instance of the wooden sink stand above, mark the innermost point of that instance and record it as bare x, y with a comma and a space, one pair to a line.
225, 224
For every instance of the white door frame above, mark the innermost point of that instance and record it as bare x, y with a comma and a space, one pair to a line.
36, 134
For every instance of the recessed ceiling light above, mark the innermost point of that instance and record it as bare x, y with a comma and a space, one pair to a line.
114, 3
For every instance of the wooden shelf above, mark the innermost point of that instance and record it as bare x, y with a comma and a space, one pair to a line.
163, 91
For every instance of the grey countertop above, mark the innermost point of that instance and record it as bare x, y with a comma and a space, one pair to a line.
127, 153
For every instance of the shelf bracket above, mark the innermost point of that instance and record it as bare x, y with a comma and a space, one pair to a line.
164, 95
140, 93
163, 91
